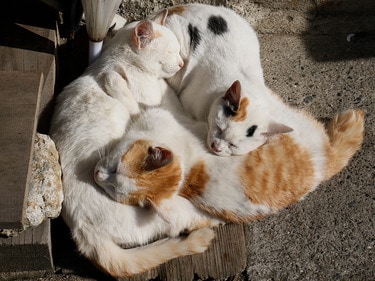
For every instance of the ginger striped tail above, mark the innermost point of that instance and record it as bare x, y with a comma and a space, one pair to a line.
119, 262
345, 132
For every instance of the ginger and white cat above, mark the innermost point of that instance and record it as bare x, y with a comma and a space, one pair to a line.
219, 47
153, 165
90, 114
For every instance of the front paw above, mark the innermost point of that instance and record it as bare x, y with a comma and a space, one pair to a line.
200, 239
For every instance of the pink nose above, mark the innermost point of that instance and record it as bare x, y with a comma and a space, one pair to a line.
214, 147
181, 64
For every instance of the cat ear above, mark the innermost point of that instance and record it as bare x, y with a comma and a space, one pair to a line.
275, 128
157, 157
233, 96
161, 17
143, 34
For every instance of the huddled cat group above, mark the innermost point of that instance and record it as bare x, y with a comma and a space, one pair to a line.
173, 130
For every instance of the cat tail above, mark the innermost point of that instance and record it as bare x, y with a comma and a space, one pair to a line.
345, 131
120, 262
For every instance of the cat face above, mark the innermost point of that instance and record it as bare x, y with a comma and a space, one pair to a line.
239, 125
139, 173
158, 46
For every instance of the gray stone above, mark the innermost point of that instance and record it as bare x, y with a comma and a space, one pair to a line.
45, 196
45, 189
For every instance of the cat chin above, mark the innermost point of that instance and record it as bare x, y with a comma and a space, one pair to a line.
218, 146
221, 153
169, 73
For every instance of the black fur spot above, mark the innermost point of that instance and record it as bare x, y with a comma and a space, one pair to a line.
229, 110
251, 131
217, 25
195, 36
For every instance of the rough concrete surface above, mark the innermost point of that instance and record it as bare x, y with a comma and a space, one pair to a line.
331, 234
320, 56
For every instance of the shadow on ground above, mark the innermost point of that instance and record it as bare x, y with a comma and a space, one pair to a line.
351, 25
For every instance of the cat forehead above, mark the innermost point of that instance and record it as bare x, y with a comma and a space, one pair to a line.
237, 113
163, 31
152, 186
136, 151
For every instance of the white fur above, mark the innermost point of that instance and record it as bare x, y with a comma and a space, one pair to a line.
88, 117
223, 188
212, 67
223, 191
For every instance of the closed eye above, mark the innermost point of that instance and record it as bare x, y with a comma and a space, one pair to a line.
219, 132
251, 131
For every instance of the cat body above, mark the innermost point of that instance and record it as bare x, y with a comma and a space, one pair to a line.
90, 114
219, 47
237, 188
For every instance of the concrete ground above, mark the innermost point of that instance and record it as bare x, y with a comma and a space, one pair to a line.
320, 56
331, 234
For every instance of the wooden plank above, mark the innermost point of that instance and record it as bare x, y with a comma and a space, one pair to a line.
27, 254
27, 52
38, 54
226, 257
19, 95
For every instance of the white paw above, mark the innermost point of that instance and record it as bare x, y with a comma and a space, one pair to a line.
200, 239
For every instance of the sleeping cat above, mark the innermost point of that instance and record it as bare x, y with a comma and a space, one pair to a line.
236, 188
90, 114
219, 47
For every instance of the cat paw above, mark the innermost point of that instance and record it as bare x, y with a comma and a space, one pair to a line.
200, 239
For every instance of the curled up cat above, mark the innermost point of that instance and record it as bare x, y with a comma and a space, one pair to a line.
236, 188
219, 47
90, 114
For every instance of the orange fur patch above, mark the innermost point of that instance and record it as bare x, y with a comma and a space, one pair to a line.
241, 113
277, 174
178, 10
198, 224
195, 181
194, 186
345, 132
157, 34
155, 185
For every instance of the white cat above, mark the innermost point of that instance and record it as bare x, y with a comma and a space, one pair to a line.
88, 118
219, 47
159, 160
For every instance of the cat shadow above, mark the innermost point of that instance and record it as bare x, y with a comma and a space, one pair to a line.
66, 257
340, 30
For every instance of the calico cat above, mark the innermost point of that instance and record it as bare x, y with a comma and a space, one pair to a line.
151, 165
91, 113
219, 47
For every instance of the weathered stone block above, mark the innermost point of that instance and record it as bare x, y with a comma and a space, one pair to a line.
45, 190
45, 195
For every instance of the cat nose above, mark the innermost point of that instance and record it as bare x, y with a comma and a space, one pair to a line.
96, 174
181, 64
214, 147
99, 176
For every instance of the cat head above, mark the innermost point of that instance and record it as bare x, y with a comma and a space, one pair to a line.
156, 48
139, 173
238, 125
